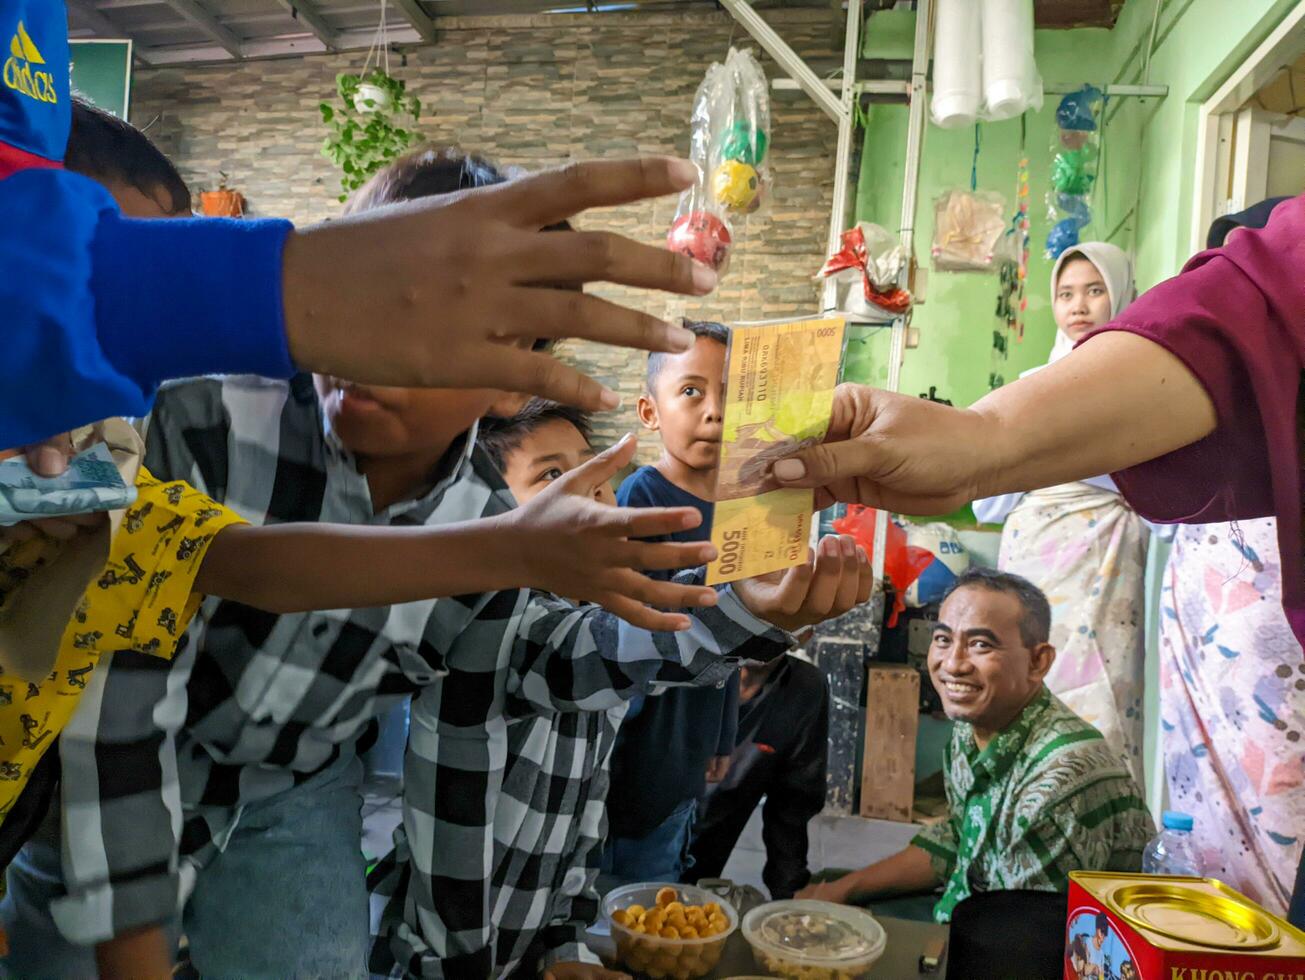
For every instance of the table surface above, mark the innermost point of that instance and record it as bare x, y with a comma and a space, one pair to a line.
901, 959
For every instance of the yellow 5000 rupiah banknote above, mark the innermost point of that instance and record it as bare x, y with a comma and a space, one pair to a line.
779, 392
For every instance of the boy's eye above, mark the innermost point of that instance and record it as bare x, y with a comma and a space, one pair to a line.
691, 391
549, 475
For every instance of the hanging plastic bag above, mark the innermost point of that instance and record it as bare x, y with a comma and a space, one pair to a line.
947, 560
1076, 149
729, 142
902, 562
967, 227
865, 271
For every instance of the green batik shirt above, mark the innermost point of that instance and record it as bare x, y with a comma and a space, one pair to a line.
1045, 798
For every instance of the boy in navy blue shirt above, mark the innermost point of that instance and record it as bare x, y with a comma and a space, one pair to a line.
672, 745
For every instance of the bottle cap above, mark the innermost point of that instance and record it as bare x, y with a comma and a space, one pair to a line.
1173, 820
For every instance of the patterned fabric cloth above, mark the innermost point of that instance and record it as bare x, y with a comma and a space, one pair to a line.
142, 601
255, 703
1233, 706
1044, 798
546, 854
1086, 549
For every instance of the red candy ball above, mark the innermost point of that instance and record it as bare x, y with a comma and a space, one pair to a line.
702, 236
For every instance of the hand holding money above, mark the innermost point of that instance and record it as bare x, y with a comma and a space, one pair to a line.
779, 394
91, 484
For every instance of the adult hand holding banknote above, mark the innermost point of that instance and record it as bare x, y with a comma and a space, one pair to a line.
779, 392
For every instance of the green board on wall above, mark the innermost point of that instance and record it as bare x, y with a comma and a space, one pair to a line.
101, 73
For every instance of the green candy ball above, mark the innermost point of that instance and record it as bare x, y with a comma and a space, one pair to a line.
743, 144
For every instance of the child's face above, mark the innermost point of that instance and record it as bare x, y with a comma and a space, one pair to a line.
380, 422
555, 448
687, 404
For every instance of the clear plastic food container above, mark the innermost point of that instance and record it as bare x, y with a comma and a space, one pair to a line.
657, 955
814, 940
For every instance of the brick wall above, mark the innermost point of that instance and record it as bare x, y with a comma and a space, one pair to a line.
529, 91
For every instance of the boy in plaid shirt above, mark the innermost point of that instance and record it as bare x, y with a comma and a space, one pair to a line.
261, 713
549, 818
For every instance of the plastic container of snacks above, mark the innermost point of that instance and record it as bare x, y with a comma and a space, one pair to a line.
814, 940
674, 931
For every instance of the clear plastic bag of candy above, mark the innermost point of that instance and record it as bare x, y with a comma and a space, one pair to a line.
967, 228
729, 143
1076, 149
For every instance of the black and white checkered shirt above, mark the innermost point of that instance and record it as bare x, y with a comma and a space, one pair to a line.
161, 758
549, 823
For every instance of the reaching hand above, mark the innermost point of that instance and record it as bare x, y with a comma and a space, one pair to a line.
447, 285
571, 545
582, 971
718, 767
902, 454
839, 579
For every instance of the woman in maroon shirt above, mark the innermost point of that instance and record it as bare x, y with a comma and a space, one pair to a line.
1190, 400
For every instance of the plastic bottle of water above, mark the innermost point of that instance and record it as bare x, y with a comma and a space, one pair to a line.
1171, 851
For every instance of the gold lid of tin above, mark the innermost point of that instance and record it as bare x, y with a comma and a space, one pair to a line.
1178, 913
1193, 915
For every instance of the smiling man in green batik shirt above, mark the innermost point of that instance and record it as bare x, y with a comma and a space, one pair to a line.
1033, 792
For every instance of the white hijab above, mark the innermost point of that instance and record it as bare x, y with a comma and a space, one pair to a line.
1116, 270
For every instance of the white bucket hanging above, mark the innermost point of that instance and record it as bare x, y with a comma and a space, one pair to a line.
957, 71
1011, 83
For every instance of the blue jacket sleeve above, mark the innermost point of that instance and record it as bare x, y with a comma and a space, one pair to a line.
99, 309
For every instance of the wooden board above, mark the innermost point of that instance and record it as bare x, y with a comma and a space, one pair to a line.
892, 716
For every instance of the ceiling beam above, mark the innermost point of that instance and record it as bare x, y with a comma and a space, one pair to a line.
206, 22
305, 11
418, 18
87, 16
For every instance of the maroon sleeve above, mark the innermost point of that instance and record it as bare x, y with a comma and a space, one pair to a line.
1236, 317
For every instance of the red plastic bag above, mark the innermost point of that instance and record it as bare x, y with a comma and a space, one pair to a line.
903, 563
855, 254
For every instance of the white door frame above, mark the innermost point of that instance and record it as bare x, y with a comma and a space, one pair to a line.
1217, 173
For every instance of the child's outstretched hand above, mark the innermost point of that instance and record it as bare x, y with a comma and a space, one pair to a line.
838, 580
571, 545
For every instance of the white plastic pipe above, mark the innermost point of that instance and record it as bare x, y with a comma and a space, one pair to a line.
957, 75
1011, 83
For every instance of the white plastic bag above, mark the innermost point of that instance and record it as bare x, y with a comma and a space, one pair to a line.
967, 227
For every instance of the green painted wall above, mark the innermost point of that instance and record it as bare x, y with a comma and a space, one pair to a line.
1198, 43
956, 322
1143, 202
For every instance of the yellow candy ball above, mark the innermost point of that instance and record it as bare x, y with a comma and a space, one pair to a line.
735, 184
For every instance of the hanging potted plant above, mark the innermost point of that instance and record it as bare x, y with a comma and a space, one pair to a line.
223, 202
374, 121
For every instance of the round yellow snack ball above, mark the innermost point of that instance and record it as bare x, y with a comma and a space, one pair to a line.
735, 184
667, 895
634, 912
621, 917
672, 906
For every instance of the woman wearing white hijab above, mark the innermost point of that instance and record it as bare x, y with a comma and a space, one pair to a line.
1080, 542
